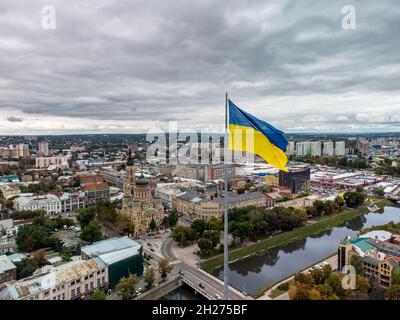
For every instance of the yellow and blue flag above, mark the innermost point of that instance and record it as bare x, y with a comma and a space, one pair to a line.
247, 133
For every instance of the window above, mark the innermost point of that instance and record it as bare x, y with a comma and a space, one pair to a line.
78, 291
72, 292
86, 287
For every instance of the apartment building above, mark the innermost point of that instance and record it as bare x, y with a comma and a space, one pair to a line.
113, 177
195, 206
377, 252
56, 162
70, 281
8, 270
95, 193
49, 203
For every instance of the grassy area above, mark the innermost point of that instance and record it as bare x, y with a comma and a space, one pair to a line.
323, 224
277, 292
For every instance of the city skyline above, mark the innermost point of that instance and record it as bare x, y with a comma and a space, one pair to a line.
126, 67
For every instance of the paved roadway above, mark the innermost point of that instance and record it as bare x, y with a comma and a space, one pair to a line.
212, 285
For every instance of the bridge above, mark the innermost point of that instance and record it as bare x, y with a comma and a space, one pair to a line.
206, 284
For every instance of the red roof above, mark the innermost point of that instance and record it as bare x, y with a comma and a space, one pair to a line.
95, 186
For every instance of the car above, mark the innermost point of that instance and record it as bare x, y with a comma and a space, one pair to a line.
152, 250
149, 244
201, 285
139, 290
181, 273
217, 296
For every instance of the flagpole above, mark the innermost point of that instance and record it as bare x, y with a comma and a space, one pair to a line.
226, 266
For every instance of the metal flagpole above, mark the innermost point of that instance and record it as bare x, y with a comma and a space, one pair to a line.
226, 266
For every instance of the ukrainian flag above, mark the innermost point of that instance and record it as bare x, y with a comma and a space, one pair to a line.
247, 133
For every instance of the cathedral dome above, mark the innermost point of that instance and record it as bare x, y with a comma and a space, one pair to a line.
141, 181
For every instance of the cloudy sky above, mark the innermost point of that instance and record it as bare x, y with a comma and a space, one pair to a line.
129, 65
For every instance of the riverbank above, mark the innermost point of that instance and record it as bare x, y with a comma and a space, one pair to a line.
321, 225
273, 291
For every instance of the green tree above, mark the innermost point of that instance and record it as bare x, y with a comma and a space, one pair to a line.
153, 224
326, 271
26, 267
215, 224
205, 246
212, 235
149, 277
98, 295
304, 278
126, 287
339, 201
91, 232
241, 230
317, 275
362, 284
379, 192
396, 277
172, 219
86, 215
183, 235
31, 237
354, 199
356, 263
334, 281
318, 206
198, 226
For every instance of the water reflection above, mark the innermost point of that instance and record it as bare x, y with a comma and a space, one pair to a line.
258, 271
183, 293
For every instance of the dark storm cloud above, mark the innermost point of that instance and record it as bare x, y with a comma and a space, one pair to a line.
162, 60
14, 119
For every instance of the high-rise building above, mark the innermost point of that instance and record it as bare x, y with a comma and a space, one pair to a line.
340, 148
316, 148
43, 148
291, 148
22, 151
328, 149
303, 149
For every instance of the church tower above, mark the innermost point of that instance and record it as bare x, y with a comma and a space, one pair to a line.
130, 176
138, 204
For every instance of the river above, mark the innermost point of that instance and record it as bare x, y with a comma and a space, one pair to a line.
183, 293
256, 272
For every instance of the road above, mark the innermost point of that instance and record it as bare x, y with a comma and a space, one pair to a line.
212, 285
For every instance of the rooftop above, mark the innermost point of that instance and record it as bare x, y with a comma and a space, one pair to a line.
110, 245
95, 186
37, 283
115, 256
6, 264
